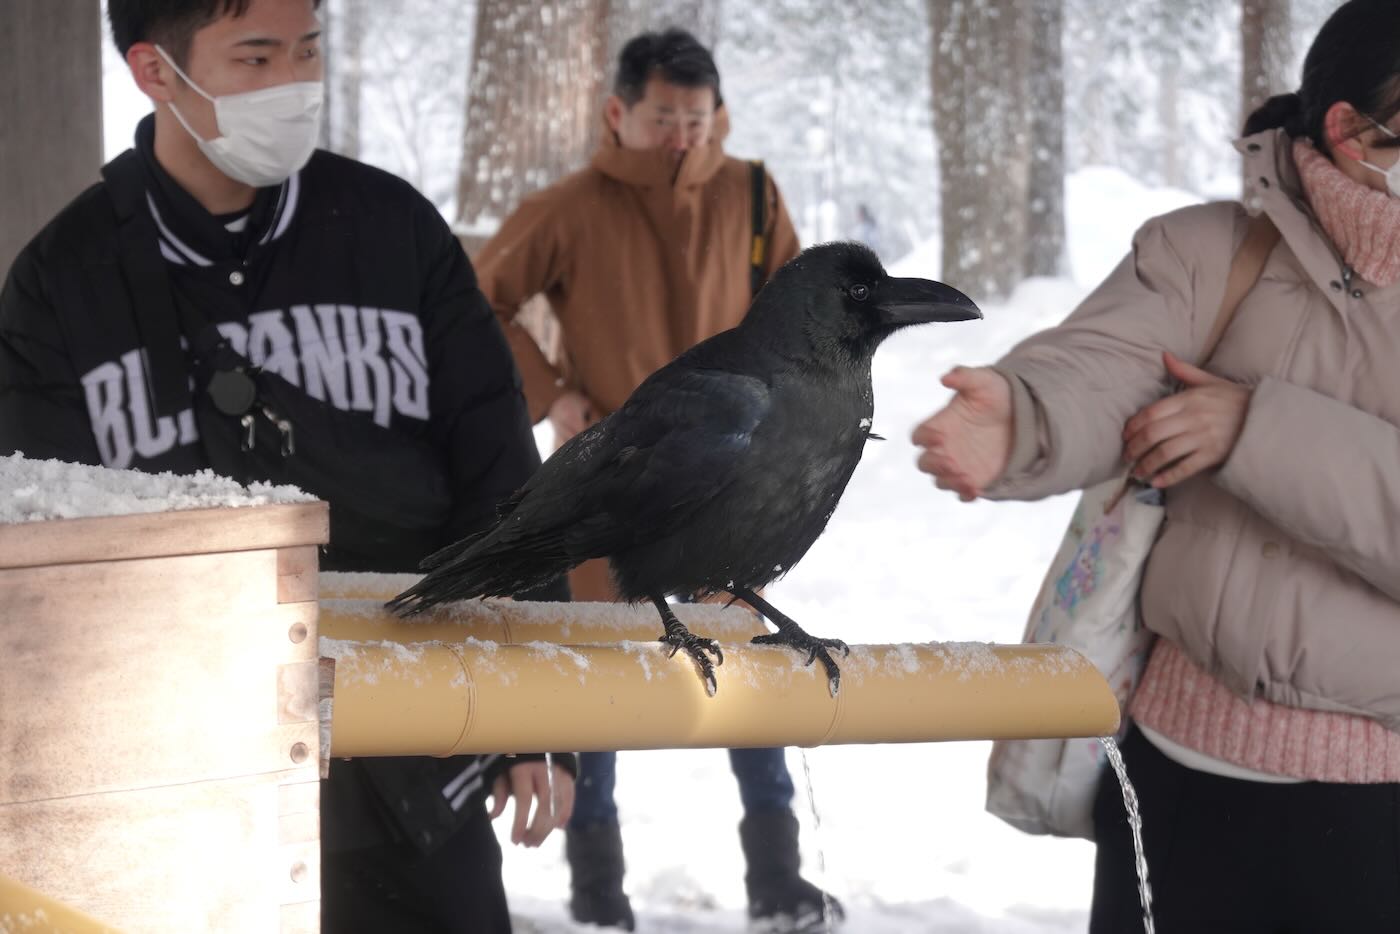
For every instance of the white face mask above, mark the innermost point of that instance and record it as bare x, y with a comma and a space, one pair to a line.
265, 135
1392, 174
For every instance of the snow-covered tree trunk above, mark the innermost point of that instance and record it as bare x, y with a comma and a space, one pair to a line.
1266, 52
533, 100
346, 71
628, 18
700, 17
1045, 206
981, 52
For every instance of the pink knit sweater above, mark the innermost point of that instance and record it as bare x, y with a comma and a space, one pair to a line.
1363, 223
1177, 698
1183, 703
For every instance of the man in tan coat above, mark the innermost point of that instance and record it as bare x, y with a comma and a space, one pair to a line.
652, 248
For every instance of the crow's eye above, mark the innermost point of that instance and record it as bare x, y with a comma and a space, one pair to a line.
859, 292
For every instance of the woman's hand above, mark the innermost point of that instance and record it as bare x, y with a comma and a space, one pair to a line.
1194, 430
967, 444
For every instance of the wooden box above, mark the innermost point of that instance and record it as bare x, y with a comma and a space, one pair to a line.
159, 743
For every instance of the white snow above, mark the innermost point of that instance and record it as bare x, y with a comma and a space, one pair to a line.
38, 490
903, 835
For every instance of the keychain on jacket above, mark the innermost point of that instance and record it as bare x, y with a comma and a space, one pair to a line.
234, 392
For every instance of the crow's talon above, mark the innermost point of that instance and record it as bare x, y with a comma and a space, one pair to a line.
815, 649
696, 647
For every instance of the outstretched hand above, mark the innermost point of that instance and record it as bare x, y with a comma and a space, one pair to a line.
1193, 430
967, 444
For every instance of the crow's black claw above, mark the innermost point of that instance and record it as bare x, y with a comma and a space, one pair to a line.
815, 649
696, 647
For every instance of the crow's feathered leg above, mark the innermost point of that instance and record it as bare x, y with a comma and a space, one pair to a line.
678, 637
791, 634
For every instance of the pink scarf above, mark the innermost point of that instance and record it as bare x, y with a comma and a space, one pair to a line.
1363, 223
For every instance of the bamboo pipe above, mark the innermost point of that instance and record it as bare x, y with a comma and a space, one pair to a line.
366, 620
23, 909
444, 699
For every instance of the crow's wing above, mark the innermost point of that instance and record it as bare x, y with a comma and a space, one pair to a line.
675, 444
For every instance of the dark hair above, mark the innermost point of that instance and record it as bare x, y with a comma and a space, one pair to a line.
1355, 58
675, 56
169, 23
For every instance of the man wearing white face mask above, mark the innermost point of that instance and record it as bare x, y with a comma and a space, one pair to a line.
228, 297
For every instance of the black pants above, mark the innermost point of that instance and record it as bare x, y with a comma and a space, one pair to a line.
1226, 856
456, 889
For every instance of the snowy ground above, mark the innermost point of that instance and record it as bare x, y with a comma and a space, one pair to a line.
903, 838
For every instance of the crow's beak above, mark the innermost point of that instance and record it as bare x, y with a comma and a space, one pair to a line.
918, 301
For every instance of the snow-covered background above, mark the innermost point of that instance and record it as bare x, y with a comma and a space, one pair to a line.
903, 839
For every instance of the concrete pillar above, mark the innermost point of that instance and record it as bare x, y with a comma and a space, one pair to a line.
50, 112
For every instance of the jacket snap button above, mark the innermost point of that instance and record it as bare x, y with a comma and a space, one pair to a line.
235, 277
1336, 286
1357, 293
1270, 549
1263, 182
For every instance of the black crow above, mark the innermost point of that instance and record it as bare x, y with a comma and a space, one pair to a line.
722, 468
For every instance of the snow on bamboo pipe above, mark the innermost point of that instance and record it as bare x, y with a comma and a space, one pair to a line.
23, 909
366, 620
441, 699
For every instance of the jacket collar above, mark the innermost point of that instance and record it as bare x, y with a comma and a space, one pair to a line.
189, 234
652, 168
1272, 185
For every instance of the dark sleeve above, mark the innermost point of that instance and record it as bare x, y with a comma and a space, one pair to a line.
568, 761
42, 410
477, 411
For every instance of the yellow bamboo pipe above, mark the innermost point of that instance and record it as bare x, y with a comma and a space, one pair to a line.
366, 620
23, 909
443, 699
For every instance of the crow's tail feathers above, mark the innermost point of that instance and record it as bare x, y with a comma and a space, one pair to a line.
473, 568
451, 552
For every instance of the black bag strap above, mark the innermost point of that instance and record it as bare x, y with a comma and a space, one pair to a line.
758, 249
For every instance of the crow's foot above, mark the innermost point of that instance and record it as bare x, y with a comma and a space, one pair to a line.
678, 637
696, 647
793, 637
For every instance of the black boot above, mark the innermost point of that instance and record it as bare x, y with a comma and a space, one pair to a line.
780, 900
595, 870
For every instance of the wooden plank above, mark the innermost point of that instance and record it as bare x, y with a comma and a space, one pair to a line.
297, 696
161, 534
199, 857
297, 574
157, 671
